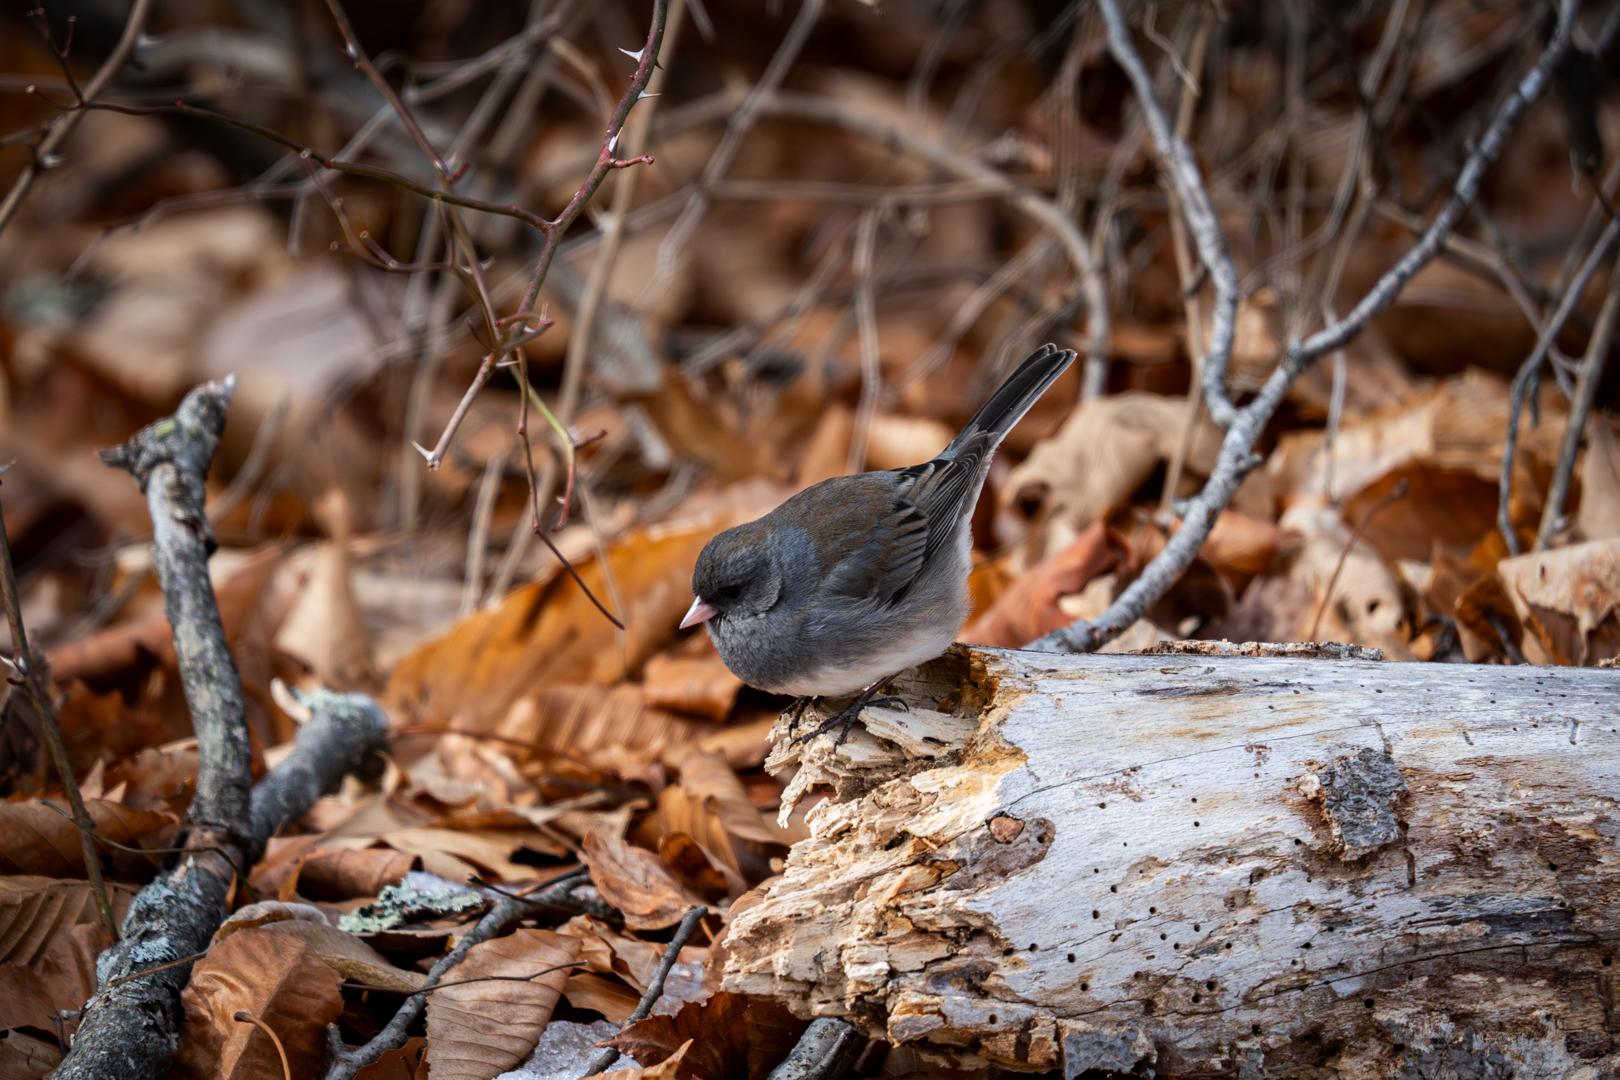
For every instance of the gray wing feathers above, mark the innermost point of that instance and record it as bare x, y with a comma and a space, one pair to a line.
930, 498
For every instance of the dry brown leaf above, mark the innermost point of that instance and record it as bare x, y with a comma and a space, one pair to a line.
709, 779
1241, 547
23, 1057
35, 839
696, 869
608, 996
69, 967
636, 882
277, 873
1366, 606
36, 911
478, 1030
692, 684
1457, 427
606, 951
744, 745
349, 956
728, 1036
98, 726
341, 951
113, 649
1104, 451
489, 849
826, 455
325, 628
609, 728
279, 981
25, 1000
159, 777
402, 1063
1485, 616
1567, 599
548, 633
348, 873
1598, 517
1029, 608
667, 1069
894, 442
684, 813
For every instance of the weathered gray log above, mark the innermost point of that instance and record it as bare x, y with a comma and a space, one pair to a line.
128, 1029
1202, 865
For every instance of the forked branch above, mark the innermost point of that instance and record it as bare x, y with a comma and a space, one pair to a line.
1244, 425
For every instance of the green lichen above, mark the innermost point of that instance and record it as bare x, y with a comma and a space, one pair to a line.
404, 903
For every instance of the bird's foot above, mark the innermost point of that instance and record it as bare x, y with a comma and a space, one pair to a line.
849, 714
797, 711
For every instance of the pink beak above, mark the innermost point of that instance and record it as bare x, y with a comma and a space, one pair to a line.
699, 612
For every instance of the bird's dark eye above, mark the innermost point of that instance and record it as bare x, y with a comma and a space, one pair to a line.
731, 592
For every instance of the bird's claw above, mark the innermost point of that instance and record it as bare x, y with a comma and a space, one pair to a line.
797, 709
847, 716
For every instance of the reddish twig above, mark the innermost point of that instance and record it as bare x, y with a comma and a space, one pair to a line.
44, 153
243, 1017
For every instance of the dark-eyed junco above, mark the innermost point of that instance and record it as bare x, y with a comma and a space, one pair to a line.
857, 578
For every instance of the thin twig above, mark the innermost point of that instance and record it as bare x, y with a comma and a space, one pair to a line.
867, 330
714, 170
489, 487
606, 162
40, 698
95, 837
44, 154
1237, 458
1041, 210
352, 985
1528, 376
655, 985
244, 1017
1580, 408
346, 1061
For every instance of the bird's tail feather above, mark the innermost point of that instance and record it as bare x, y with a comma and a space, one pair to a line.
1014, 397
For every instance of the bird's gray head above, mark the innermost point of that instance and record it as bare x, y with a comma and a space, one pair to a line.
735, 576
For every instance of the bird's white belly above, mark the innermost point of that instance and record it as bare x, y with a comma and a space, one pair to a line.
838, 680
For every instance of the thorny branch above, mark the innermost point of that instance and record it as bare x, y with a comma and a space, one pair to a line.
1244, 425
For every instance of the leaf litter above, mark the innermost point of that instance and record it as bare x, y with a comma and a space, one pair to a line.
532, 737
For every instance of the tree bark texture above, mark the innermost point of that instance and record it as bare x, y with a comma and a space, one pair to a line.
1211, 865
128, 1030
169, 460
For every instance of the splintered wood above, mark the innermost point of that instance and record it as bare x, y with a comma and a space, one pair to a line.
1210, 864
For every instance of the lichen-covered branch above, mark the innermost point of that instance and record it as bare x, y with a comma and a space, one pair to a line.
169, 460
129, 1027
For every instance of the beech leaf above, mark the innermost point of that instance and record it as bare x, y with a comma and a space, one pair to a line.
478, 1030
277, 979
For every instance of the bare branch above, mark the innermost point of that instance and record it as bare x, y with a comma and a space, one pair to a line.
1236, 457
44, 154
1586, 385
655, 986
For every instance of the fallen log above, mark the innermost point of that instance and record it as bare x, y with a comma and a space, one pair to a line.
1197, 865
